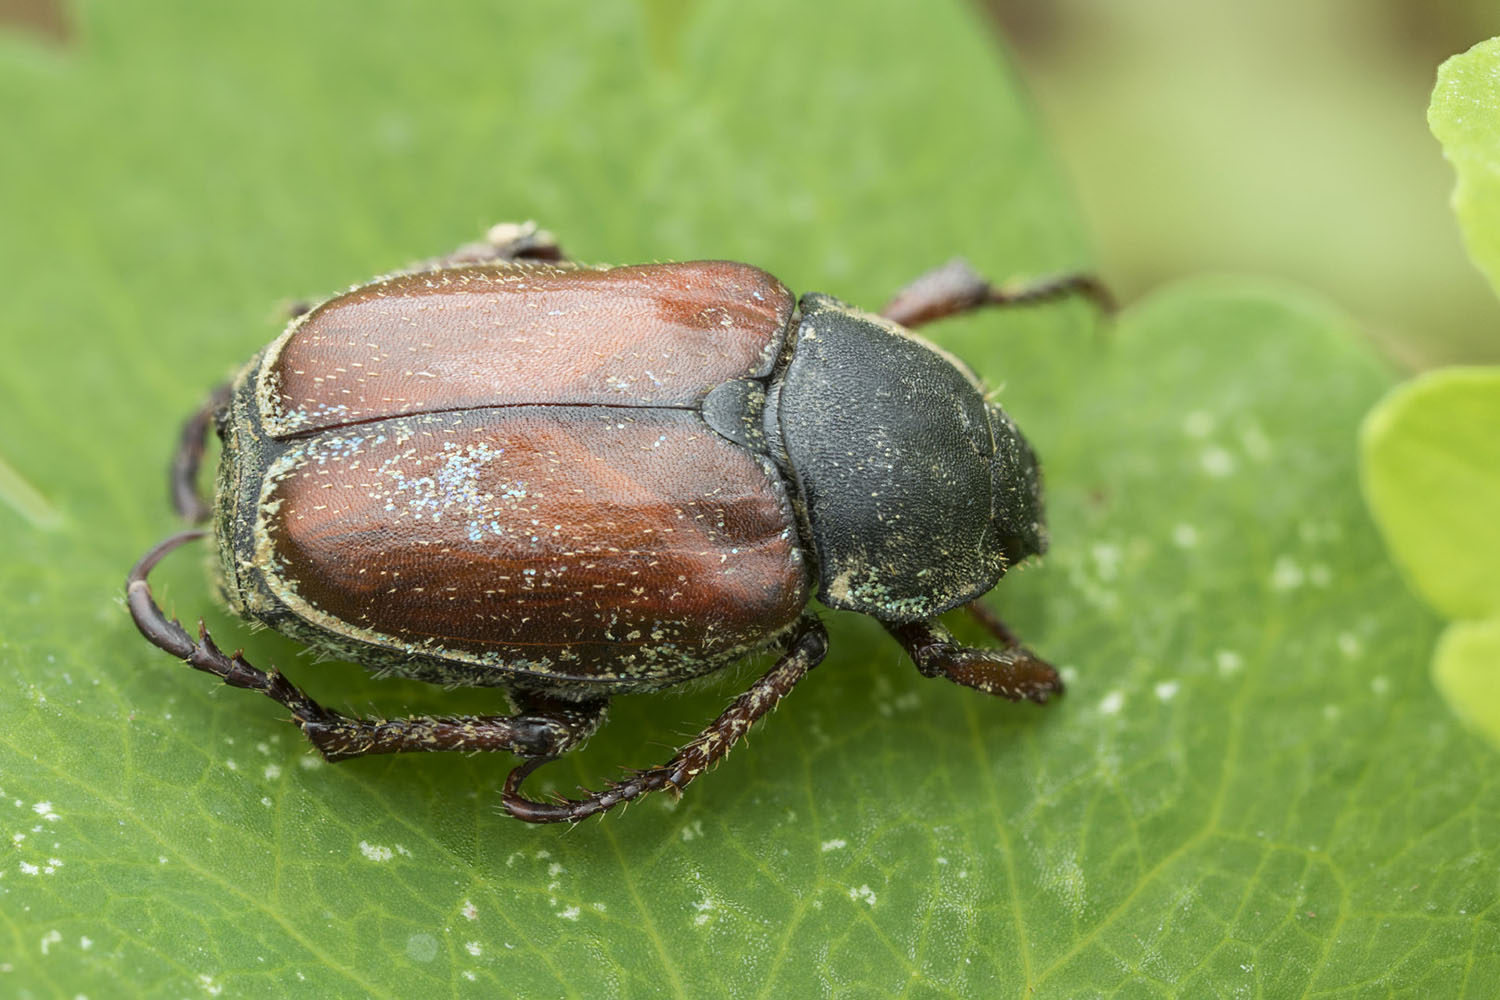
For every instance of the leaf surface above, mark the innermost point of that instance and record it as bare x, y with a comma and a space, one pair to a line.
1248, 788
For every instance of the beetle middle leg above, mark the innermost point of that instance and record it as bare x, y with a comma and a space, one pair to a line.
544, 728
502, 242
183, 476
806, 650
956, 288
1013, 672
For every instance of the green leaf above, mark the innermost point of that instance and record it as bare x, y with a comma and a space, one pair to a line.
1247, 789
1431, 453
1466, 668
1463, 118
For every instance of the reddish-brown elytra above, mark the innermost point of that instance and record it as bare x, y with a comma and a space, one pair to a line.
503, 469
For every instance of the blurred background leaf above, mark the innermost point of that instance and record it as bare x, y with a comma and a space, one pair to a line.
1248, 789
1463, 117
1277, 137
1430, 451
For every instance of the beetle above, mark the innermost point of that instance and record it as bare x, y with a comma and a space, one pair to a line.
499, 468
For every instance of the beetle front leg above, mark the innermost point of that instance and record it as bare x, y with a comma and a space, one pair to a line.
544, 728
1013, 672
956, 288
806, 650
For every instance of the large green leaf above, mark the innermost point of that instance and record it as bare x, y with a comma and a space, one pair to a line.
1247, 790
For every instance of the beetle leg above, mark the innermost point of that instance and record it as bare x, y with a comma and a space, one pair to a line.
1014, 672
956, 288
805, 651
545, 728
183, 476
991, 623
504, 241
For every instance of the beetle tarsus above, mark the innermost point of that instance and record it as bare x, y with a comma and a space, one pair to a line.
805, 651
956, 288
1015, 672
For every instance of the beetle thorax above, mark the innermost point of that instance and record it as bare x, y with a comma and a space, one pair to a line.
918, 493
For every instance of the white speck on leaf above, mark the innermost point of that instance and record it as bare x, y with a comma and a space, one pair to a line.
1255, 443
705, 908
835, 844
421, 947
1166, 690
571, 913
1185, 536
1111, 703
1217, 462
375, 852
1107, 561
1286, 574
1066, 880
864, 893
1229, 662
1199, 424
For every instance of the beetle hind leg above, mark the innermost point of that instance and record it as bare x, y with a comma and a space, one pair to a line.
544, 728
805, 651
1012, 672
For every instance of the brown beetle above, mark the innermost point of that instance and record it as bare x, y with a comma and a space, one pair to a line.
504, 469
